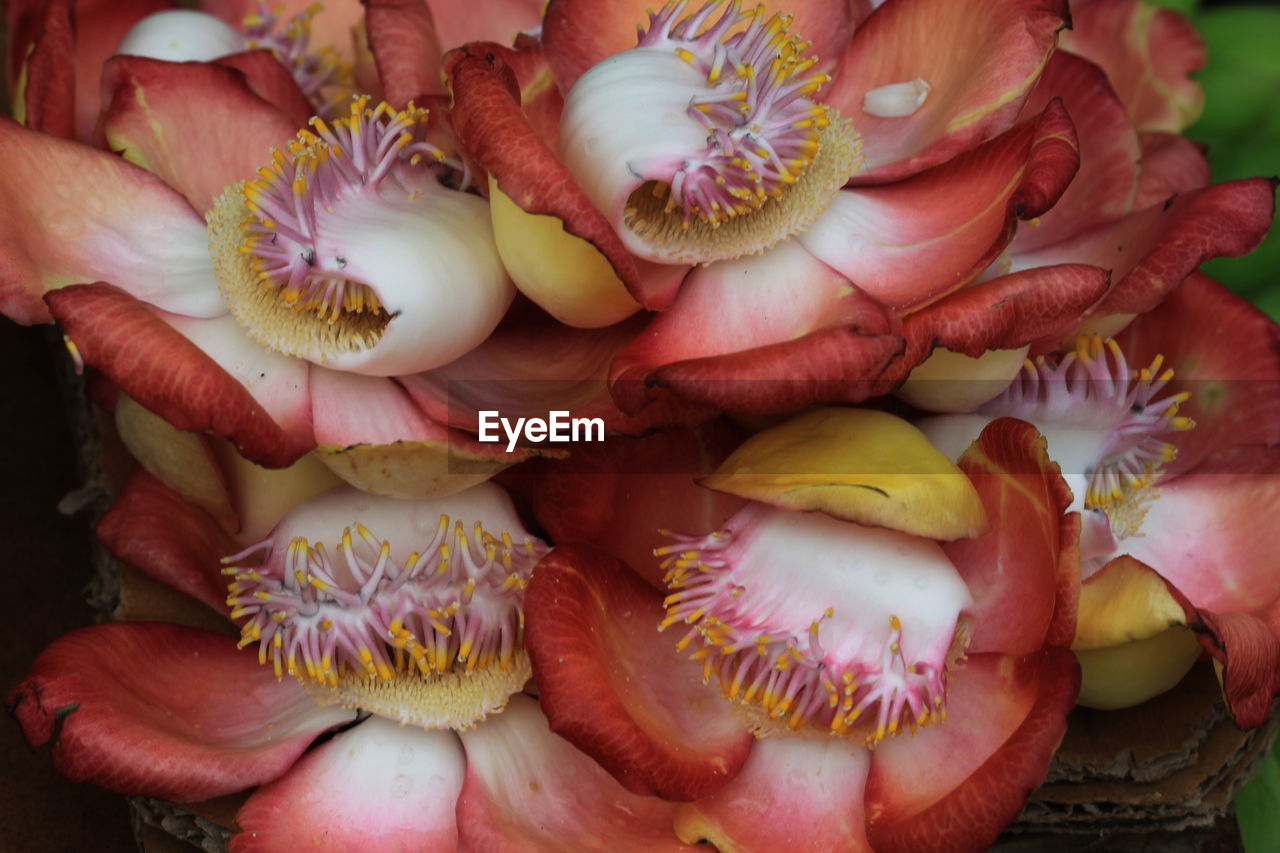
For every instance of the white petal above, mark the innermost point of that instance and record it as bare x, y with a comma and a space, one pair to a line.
896, 99
182, 36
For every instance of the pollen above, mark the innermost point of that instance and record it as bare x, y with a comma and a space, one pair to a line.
433, 640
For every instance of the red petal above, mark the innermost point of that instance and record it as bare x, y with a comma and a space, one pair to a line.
1171, 164
1017, 570
150, 527
406, 48
1248, 650
197, 125
953, 787
1148, 54
617, 495
1004, 313
912, 242
408, 778
271, 82
167, 373
333, 26
982, 58
615, 688
484, 20
528, 790
793, 794
492, 127
1104, 188
157, 710
580, 33
70, 214
1151, 251
768, 333
1223, 351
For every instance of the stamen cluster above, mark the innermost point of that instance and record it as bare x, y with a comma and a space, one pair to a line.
762, 129
313, 69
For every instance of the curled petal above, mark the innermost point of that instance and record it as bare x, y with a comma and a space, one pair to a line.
767, 333
406, 47
1024, 573
981, 59
271, 82
198, 126
169, 374
527, 789
1171, 164
912, 242
1150, 252
618, 690
1105, 187
956, 786
1148, 54
72, 214
817, 785
408, 777
157, 710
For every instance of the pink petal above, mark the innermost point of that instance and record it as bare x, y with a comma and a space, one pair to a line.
151, 527
406, 48
528, 790
1171, 164
1148, 54
1108, 179
157, 710
617, 689
1024, 573
199, 126
792, 794
484, 20
271, 82
912, 242
333, 26
767, 333
618, 494
954, 787
169, 374
1151, 251
353, 409
70, 214
1223, 351
408, 778
580, 33
981, 57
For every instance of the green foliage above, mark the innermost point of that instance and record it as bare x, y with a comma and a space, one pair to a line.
1258, 807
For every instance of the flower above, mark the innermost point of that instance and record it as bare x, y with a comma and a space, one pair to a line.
826, 608
1167, 463
409, 609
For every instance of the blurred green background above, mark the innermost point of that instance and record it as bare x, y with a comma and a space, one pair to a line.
1241, 126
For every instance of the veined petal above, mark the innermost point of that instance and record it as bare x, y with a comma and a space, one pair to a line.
1024, 574
792, 794
72, 214
617, 495
1148, 54
527, 789
170, 375
406, 46
1105, 187
617, 689
981, 59
150, 527
912, 242
579, 33
767, 333
1226, 354
956, 786
157, 710
1150, 252
1171, 165
378, 785
198, 126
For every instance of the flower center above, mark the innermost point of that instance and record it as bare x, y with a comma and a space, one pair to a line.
725, 150
813, 622
434, 640
1105, 424
314, 70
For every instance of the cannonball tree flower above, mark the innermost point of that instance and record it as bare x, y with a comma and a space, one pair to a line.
411, 610
1167, 436
865, 589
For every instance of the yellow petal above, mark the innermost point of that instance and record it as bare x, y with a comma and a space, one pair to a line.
953, 382
412, 469
859, 465
1131, 673
1123, 602
262, 496
565, 275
